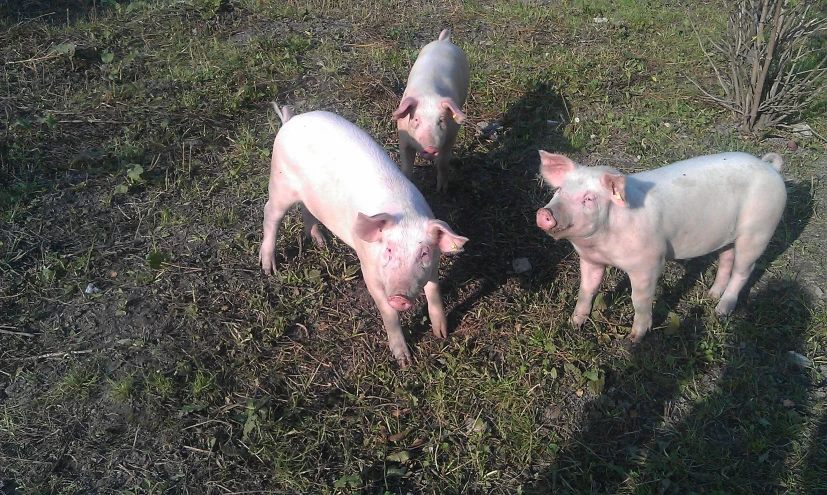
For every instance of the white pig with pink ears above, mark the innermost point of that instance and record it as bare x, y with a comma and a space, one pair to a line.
347, 182
430, 112
729, 203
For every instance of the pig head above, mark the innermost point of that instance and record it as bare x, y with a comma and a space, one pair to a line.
405, 255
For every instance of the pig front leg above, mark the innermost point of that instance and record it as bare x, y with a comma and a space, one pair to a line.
644, 284
406, 155
591, 274
443, 160
390, 318
436, 311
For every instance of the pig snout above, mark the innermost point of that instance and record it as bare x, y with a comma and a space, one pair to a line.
430, 153
400, 302
545, 220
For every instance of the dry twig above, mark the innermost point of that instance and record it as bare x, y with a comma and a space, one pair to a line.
775, 68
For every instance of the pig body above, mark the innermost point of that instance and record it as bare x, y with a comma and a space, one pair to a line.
728, 203
430, 114
348, 183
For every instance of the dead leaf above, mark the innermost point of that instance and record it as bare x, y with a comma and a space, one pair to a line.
399, 436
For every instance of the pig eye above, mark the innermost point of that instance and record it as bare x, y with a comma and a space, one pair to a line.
415, 122
424, 255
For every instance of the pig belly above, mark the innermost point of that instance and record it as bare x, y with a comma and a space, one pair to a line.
697, 235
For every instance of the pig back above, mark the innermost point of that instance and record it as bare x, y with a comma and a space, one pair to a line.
440, 69
703, 204
340, 171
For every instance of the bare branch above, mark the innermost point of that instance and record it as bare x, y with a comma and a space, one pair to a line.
769, 50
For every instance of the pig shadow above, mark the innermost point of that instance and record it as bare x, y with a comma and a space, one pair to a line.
682, 420
48, 11
493, 195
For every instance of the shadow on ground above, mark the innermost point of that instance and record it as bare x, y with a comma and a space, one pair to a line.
493, 197
670, 407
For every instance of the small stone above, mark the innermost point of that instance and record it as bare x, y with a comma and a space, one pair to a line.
800, 360
792, 145
91, 289
788, 403
552, 413
521, 265
802, 130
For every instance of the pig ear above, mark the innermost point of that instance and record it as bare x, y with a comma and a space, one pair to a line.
370, 229
406, 106
450, 105
616, 185
444, 237
555, 167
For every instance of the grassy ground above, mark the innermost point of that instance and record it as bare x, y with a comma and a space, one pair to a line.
134, 146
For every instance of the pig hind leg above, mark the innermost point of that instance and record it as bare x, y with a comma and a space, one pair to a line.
281, 198
747, 249
312, 227
726, 258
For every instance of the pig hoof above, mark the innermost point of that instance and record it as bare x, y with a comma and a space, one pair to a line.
439, 331
404, 360
401, 354
715, 293
577, 320
316, 235
319, 240
268, 264
724, 308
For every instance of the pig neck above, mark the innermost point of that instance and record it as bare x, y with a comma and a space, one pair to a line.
622, 233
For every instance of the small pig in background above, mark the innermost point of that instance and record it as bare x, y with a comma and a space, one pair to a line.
347, 182
729, 203
429, 114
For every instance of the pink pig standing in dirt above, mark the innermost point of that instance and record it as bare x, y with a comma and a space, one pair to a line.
729, 203
429, 114
346, 181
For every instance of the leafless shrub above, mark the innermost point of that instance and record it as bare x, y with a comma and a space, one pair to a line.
775, 66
